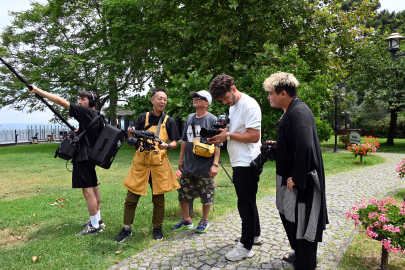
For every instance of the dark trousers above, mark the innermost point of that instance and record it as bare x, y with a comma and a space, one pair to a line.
305, 251
246, 180
131, 202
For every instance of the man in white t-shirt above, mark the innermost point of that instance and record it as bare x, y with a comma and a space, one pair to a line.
243, 140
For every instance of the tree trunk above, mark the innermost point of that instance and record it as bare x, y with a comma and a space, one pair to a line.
393, 128
113, 106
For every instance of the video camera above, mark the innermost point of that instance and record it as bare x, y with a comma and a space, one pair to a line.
267, 151
222, 120
141, 140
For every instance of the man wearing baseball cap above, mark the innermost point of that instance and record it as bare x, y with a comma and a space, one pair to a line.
198, 172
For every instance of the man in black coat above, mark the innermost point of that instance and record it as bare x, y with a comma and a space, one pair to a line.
300, 177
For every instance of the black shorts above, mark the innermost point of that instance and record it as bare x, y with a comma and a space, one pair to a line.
84, 175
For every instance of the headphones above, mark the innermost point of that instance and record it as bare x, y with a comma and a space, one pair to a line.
92, 101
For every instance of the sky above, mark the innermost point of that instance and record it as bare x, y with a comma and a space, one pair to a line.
10, 116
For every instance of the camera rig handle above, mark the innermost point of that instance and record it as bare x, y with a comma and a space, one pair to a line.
38, 96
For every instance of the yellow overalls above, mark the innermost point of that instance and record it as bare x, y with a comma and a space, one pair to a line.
154, 163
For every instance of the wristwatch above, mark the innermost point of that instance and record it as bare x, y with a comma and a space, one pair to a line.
168, 147
228, 136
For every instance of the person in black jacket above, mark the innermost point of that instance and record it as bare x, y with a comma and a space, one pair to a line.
300, 176
84, 172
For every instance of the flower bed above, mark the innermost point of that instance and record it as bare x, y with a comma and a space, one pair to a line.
383, 220
370, 146
344, 139
401, 169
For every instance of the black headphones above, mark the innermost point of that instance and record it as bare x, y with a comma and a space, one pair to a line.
92, 101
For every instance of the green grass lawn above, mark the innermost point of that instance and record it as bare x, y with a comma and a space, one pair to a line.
365, 253
399, 146
31, 224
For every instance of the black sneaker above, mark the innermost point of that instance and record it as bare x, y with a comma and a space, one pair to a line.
157, 234
90, 230
100, 223
123, 235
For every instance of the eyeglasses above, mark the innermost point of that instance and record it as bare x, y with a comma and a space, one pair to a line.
198, 98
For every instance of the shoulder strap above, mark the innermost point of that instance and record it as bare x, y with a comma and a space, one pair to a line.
147, 125
192, 125
91, 123
160, 123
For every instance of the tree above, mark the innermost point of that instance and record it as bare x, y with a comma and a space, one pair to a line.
314, 89
380, 78
224, 36
67, 46
387, 21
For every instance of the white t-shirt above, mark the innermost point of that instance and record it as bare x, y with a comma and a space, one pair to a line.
244, 114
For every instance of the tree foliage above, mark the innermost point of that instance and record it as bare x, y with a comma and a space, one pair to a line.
225, 36
114, 47
380, 78
387, 21
68, 46
314, 90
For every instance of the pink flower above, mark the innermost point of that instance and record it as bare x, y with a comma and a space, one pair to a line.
178, 174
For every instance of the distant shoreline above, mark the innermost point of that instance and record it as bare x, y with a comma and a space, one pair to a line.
24, 126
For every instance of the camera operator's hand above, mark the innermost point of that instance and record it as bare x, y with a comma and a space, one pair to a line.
213, 171
129, 131
220, 138
162, 146
181, 164
34, 89
290, 184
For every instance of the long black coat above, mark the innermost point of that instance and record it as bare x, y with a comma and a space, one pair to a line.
298, 155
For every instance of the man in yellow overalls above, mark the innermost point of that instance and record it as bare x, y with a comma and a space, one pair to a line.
151, 167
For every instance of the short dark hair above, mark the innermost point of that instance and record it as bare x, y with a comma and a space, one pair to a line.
220, 85
158, 90
290, 90
87, 94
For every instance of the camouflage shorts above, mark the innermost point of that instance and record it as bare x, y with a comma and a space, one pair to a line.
194, 185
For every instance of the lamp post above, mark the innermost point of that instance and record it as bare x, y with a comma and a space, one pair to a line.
345, 114
394, 45
342, 96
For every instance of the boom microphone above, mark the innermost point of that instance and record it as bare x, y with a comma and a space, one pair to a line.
38, 96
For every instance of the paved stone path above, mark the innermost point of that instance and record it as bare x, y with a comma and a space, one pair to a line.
207, 251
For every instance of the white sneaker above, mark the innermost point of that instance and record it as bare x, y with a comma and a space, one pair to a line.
239, 253
258, 240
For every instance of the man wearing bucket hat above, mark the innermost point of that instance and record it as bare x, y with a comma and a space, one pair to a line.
198, 171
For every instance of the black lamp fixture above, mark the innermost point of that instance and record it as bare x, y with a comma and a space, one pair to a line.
394, 44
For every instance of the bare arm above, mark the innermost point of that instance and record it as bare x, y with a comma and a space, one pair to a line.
214, 167
51, 97
173, 145
182, 152
249, 136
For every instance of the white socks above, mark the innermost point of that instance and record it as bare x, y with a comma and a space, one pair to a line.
94, 221
98, 215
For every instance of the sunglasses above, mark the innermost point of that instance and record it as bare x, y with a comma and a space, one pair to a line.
198, 98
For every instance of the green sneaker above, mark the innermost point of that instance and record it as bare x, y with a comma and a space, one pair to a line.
183, 224
203, 226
